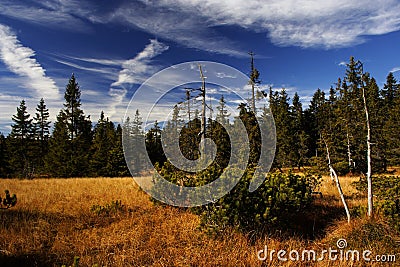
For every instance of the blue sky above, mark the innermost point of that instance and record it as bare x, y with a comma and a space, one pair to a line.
114, 46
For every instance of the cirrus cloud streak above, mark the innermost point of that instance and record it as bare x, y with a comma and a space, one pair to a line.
21, 61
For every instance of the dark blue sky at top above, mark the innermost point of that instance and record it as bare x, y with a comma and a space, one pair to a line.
294, 50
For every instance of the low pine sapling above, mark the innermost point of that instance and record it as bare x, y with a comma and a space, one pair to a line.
8, 201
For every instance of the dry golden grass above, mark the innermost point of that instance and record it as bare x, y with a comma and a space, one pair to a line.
52, 223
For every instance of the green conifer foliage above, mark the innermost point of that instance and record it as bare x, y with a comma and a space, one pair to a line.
72, 137
20, 143
41, 126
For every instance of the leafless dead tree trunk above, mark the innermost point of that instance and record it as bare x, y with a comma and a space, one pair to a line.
369, 170
334, 177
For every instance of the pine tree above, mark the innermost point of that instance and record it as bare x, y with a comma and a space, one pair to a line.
377, 118
254, 80
58, 161
345, 122
21, 143
22, 127
300, 137
189, 138
116, 162
133, 142
41, 128
356, 117
389, 91
280, 107
223, 114
154, 146
78, 128
41, 122
390, 117
103, 142
4, 170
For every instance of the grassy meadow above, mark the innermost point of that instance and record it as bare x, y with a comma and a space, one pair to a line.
52, 223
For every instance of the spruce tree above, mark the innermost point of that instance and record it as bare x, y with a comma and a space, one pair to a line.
254, 80
356, 116
300, 137
377, 121
391, 118
279, 103
58, 161
389, 91
22, 127
223, 114
41, 126
21, 143
133, 141
154, 146
78, 128
116, 163
103, 141
218, 133
4, 170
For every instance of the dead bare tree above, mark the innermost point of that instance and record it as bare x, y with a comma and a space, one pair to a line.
369, 167
334, 177
203, 110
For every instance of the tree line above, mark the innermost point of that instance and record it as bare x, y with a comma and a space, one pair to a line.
73, 147
338, 120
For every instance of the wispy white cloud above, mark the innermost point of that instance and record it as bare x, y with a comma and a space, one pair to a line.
304, 23
136, 70
178, 23
342, 63
118, 97
104, 62
45, 13
21, 61
395, 69
107, 71
223, 75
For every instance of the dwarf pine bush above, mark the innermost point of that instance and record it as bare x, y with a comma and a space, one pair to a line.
8, 201
387, 192
110, 208
274, 202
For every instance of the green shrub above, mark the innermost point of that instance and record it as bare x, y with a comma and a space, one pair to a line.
273, 203
9, 201
108, 209
387, 192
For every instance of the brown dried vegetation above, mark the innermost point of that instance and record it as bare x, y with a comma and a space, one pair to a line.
52, 223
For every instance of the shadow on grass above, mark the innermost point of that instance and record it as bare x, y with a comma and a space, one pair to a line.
44, 227
309, 224
314, 222
28, 260
16, 218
